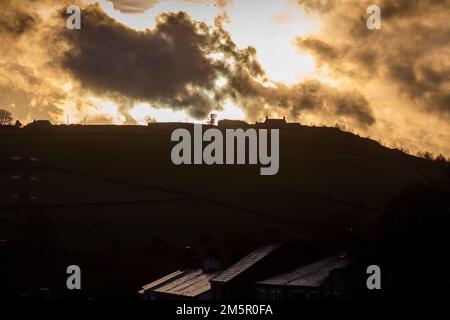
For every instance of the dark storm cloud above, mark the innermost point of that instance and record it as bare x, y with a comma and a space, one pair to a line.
167, 66
411, 51
171, 66
308, 97
403, 8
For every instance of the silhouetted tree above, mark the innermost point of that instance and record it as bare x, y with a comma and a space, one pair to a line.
5, 117
426, 155
441, 159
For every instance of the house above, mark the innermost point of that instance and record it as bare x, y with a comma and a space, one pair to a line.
39, 124
276, 123
237, 281
319, 280
191, 284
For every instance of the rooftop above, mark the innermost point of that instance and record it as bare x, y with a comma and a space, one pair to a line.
245, 263
312, 275
161, 281
190, 283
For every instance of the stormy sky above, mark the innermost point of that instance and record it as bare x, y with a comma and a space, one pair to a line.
312, 61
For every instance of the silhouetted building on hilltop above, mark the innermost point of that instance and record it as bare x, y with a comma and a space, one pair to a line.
39, 124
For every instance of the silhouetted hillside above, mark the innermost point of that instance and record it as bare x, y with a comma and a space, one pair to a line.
322, 170
112, 192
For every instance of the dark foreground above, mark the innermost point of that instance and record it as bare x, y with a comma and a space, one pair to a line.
109, 200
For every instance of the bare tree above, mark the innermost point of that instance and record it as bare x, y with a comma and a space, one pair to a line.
5, 117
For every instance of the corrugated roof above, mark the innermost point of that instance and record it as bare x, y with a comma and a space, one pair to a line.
190, 284
245, 263
164, 279
312, 275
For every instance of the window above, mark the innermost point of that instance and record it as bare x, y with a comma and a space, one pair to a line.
275, 294
261, 294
